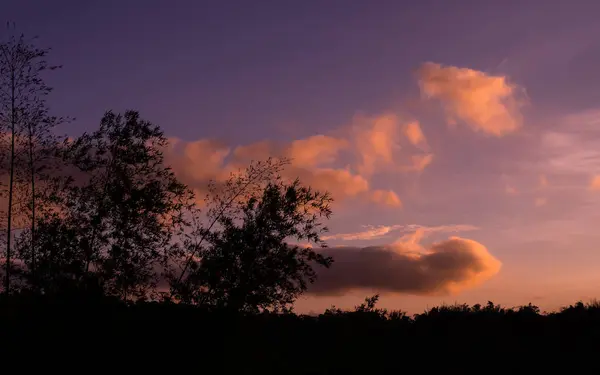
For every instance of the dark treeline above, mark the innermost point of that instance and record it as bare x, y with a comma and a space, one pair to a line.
469, 339
103, 242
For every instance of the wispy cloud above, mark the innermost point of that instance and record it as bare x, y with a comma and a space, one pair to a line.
370, 232
451, 228
378, 231
573, 146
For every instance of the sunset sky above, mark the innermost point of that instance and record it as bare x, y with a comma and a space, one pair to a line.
426, 120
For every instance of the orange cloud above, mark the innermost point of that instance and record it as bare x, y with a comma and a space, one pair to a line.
490, 104
256, 151
339, 182
370, 232
415, 232
342, 164
421, 161
415, 135
446, 267
308, 159
595, 183
316, 150
376, 141
386, 197
376, 144
186, 156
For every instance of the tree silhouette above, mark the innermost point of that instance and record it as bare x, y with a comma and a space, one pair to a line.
14, 59
246, 262
118, 217
223, 199
28, 141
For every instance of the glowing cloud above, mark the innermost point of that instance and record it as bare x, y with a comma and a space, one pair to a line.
186, 155
420, 231
445, 267
595, 183
386, 197
316, 150
415, 135
342, 164
490, 104
420, 162
371, 232
441, 228
376, 141
341, 183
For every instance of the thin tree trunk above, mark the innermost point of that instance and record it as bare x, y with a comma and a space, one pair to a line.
31, 167
10, 189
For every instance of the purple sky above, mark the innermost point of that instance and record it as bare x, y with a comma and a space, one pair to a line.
248, 71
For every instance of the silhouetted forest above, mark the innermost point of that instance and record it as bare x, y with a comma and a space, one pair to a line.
469, 339
103, 245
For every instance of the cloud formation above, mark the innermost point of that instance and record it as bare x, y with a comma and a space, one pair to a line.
377, 141
420, 162
343, 164
415, 135
417, 231
370, 232
487, 103
595, 183
446, 267
386, 198
510, 190
316, 151
572, 147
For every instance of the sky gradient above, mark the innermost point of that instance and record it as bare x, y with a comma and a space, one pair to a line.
425, 119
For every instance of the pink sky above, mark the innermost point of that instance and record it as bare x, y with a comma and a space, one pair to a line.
472, 167
425, 119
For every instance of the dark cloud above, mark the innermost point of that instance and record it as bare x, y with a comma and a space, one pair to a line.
445, 267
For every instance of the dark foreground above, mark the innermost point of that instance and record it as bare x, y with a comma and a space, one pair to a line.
169, 337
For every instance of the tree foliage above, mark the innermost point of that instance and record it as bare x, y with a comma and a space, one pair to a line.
122, 222
103, 213
247, 262
119, 214
28, 143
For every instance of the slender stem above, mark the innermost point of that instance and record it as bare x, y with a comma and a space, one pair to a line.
32, 170
11, 182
